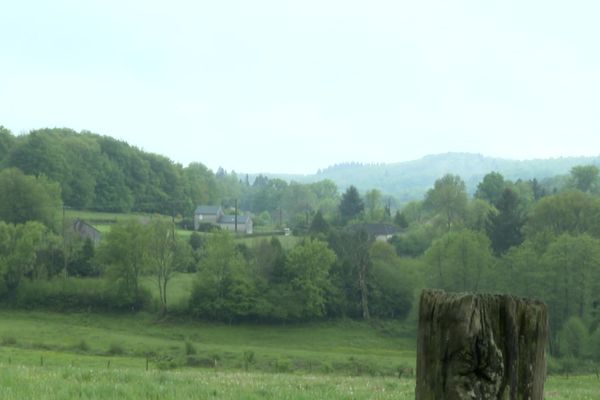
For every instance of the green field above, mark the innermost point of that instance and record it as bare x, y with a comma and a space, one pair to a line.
52, 356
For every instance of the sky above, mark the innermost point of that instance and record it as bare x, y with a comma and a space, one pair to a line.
296, 86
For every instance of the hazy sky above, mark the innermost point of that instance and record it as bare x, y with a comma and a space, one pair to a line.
293, 86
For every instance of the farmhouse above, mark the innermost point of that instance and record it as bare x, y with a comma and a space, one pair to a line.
87, 231
378, 231
244, 223
214, 215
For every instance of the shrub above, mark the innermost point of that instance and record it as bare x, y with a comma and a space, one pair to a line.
189, 348
573, 338
77, 294
115, 349
8, 341
82, 346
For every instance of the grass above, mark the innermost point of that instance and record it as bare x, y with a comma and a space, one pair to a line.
50, 355
75, 382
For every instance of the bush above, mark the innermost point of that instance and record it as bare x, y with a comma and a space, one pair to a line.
190, 350
82, 346
8, 341
115, 349
77, 294
573, 338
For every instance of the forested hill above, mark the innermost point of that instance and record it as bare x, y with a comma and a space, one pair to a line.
102, 173
410, 180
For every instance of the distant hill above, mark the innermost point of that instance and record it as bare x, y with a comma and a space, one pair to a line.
411, 179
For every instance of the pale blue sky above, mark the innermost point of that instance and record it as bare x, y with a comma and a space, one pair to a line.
295, 86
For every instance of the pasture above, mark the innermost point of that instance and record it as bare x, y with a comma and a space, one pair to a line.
90, 356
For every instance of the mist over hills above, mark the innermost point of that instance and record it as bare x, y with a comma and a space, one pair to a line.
409, 180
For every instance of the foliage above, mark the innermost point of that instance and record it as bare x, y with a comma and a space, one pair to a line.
491, 188
222, 290
585, 178
504, 227
448, 199
27, 250
124, 252
26, 198
351, 206
318, 224
573, 338
571, 212
393, 283
307, 270
459, 261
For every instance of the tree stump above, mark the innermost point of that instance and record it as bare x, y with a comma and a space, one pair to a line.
480, 346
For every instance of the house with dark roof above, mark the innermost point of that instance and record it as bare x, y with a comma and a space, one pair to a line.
243, 223
214, 215
87, 231
378, 231
207, 215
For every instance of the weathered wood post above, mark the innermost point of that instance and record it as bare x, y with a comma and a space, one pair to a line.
480, 346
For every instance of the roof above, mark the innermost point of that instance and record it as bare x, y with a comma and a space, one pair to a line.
376, 229
207, 210
230, 219
81, 226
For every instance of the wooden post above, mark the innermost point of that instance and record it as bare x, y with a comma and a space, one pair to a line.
480, 346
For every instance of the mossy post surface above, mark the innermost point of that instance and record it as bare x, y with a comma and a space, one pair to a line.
480, 346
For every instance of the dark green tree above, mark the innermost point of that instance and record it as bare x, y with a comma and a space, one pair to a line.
400, 220
319, 225
504, 227
491, 187
7, 141
351, 206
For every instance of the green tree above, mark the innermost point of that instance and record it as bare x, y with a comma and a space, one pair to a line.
223, 290
307, 268
23, 249
318, 224
373, 205
585, 178
353, 271
491, 187
459, 261
504, 228
573, 338
571, 212
26, 198
7, 141
478, 214
167, 254
392, 289
124, 252
448, 199
572, 265
81, 263
401, 220
351, 205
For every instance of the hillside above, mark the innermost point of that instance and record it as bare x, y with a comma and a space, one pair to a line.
411, 179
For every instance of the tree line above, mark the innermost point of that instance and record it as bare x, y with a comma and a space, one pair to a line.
522, 237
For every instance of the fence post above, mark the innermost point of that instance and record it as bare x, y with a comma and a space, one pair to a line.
480, 346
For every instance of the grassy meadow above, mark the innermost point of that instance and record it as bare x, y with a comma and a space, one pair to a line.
51, 356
